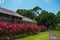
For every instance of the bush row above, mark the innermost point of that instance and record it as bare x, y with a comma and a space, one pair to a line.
7, 28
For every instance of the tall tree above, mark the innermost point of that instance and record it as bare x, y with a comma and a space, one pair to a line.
36, 10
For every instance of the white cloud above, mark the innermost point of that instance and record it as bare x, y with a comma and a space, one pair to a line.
46, 0
2, 1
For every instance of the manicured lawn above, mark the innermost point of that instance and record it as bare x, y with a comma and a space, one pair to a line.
39, 36
57, 32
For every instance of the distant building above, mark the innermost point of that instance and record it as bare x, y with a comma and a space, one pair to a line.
13, 17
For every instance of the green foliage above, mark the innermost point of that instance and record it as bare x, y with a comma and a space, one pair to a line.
44, 18
47, 19
27, 13
58, 17
36, 10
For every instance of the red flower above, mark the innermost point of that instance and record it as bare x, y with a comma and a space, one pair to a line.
3, 26
13, 27
42, 27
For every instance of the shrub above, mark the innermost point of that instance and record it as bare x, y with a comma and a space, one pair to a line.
20, 28
42, 27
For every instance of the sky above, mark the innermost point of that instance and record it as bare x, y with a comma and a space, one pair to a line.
48, 5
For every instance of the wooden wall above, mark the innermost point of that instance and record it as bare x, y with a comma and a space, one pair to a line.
12, 19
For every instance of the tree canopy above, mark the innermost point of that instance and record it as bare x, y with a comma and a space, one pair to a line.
49, 19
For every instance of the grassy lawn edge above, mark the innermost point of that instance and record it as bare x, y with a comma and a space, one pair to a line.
57, 33
39, 36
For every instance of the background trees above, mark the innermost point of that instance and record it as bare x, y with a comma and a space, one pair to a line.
46, 18
58, 19
42, 17
27, 13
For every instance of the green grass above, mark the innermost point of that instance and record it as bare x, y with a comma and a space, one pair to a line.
39, 36
57, 32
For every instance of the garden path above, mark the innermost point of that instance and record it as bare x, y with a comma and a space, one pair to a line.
53, 36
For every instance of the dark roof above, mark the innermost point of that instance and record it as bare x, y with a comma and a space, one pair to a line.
9, 12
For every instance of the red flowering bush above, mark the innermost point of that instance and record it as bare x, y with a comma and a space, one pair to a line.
4, 26
42, 27
20, 28
13, 27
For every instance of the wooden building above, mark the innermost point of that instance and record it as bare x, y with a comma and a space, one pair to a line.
13, 17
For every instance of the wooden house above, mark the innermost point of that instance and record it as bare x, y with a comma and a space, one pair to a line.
13, 17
